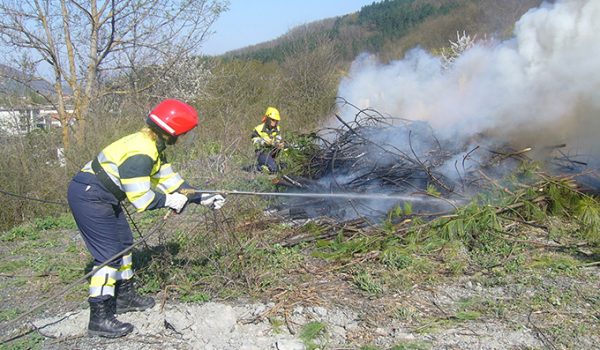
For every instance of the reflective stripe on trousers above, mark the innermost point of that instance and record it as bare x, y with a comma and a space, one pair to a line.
126, 270
103, 282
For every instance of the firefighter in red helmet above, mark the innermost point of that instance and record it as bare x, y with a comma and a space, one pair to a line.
133, 168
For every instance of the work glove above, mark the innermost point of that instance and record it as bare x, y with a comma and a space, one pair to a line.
176, 201
278, 142
194, 196
213, 201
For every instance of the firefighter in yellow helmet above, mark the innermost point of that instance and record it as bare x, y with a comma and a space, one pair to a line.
267, 141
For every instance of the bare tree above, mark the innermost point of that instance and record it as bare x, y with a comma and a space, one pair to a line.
83, 45
312, 72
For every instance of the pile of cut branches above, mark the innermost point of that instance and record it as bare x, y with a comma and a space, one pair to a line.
379, 154
504, 203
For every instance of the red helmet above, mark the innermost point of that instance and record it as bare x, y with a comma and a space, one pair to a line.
174, 117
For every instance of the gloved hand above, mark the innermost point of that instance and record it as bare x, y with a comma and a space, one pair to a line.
176, 201
278, 142
214, 201
194, 196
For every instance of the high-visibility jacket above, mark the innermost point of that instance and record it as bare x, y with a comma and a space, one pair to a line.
263, 136
136, 164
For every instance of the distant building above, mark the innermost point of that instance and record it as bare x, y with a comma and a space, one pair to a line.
23, 120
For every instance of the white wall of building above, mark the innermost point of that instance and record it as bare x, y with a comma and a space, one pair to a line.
18, 121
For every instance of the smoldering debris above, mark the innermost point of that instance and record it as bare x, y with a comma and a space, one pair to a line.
470, 122
391, 156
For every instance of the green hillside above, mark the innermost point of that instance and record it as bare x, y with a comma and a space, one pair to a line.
390, 27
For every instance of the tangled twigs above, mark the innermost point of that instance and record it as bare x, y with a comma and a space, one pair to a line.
286, 300
330, 229
540, 334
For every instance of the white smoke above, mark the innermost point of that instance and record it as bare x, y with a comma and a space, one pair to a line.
540, 88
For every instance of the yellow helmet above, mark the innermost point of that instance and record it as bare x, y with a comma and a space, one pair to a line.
272, 113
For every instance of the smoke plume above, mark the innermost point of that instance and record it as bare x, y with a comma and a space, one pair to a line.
540, 88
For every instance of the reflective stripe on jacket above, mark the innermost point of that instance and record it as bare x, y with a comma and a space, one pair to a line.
262, 136
136, 164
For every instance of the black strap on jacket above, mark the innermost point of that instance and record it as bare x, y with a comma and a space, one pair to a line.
106, 181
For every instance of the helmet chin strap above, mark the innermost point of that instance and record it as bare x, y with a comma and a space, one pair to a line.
169, 139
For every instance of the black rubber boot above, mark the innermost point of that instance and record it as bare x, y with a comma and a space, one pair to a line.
103, 322
129, 300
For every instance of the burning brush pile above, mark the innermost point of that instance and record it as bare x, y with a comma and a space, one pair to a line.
499, 115
377, 165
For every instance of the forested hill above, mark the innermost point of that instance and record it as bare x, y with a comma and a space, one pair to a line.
390, 27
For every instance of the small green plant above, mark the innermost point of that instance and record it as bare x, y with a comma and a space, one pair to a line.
432, 191
342, 249
410, 345
13, 265
365, 282
469, 222
150, 285
67, 274
210, 148
29, 342
198, 297
64, 221
9, 314
22, 232
562, 198
588, 212
423, 267
496, 308
283, 257
148, 218
394, 215
396, 258
555, 263
396, 212
277, 324
310, 333
467, 315
467, 309
403, 313
515, 264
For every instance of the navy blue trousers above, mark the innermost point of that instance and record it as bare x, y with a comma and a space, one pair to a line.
266, 158
99, 217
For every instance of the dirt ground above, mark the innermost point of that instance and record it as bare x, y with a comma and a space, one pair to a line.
351, 321
477, 311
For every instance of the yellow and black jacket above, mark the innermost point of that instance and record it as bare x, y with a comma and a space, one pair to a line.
264, 137
132, 166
